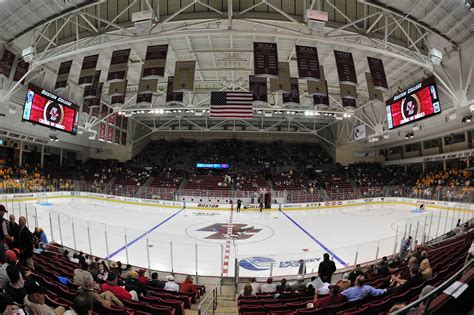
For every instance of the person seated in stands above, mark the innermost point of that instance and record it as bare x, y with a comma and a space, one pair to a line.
420, 309
247, 291
326, 268
118, 291
268, 287
11, 260
382, 267
35, 300
333, 298
361, 290
357, 271
425, 269
105, 299
344, 283
255, 286
170, 285
395, 262
132, 284
299, 284
283, 286
126, 272
14, 288
102, 271
188, 286
414, 280
317, 286
81, 273
7, 305
154, 282
141, 276
81, 305
39, 237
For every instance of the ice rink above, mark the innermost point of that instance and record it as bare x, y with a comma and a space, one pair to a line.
272, 242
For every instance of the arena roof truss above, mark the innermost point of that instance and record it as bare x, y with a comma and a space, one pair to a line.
219, 36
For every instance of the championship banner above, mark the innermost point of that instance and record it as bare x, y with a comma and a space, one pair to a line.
86, 106
86, 76
63, 75
124, 123
155, 62
110, 133
118, 65
360, 132
345, 67
117, 100
6, 63
349, 102
103, 111
184, 76
318, 88
377, 72
348, 91
90, 91
321, 100
118, 121
21, 69
282, 84
171, 96
144, 99
112, 117
147, 86
124, 138
117, 136
294, 95
102, 130
265, 60
373, 93
258, 87
117, 88
308, 63
94, 111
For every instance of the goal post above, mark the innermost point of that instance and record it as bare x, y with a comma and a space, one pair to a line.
42, 198
420, 206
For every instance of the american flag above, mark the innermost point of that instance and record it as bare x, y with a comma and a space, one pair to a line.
231, 104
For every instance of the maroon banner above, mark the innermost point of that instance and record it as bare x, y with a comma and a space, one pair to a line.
171, 96
308, 63
294, 95
345, 67
112, 117
117, 136
124, 138
6, 63
377, 72
373, 93
349, 102
86, 106
144, 98
321, 101
103, 111
155, 62
118, 121
102, 131
118, 65
21, 69
258, 87
110, 133
90, 91
265, 60
63, 74
125, 123
87, 73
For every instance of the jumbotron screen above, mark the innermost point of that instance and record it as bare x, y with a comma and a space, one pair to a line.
417, 102
48, 109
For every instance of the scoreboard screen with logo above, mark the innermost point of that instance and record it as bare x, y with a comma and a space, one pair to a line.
416, 103
48, 109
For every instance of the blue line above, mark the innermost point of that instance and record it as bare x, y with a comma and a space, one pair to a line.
314, 239
143, 235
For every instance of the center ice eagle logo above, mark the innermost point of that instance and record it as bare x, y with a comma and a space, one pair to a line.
244, 231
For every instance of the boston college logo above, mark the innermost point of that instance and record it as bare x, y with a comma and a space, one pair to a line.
410, 106
244, 231
53, 112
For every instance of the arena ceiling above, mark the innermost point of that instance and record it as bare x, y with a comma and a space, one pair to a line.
218, 34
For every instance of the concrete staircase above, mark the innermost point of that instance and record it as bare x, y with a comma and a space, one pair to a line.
226, 303
144, 187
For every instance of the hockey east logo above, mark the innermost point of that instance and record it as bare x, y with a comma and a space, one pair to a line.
219, 231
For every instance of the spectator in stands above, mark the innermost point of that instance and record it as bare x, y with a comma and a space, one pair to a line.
326, 268
406, 244
425, 269
118, 291
188, 286
15, 288
141, 276
154, 282
126, 272
299, 284
12, 228
317, 286
170, 285
4, 236
25, 243
255, 285
283, 286
344, 283
302, 267
247, 291
414, 280
361, 290
105, 299
333, 298
7, 305
382, 267
39, 237
268, 287
81, 305
357, 271
132, 284
406, 271
35, 300
81, 273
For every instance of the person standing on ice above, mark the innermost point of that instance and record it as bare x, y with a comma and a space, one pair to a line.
239, 205
302, 267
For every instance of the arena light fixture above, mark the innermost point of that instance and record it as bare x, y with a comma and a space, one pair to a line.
467, 119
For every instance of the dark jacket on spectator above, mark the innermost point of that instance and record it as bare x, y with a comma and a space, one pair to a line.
326, 269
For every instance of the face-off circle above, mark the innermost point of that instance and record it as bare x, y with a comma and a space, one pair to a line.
216, 232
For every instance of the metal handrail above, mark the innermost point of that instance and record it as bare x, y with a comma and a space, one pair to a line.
212, 298
433, 294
